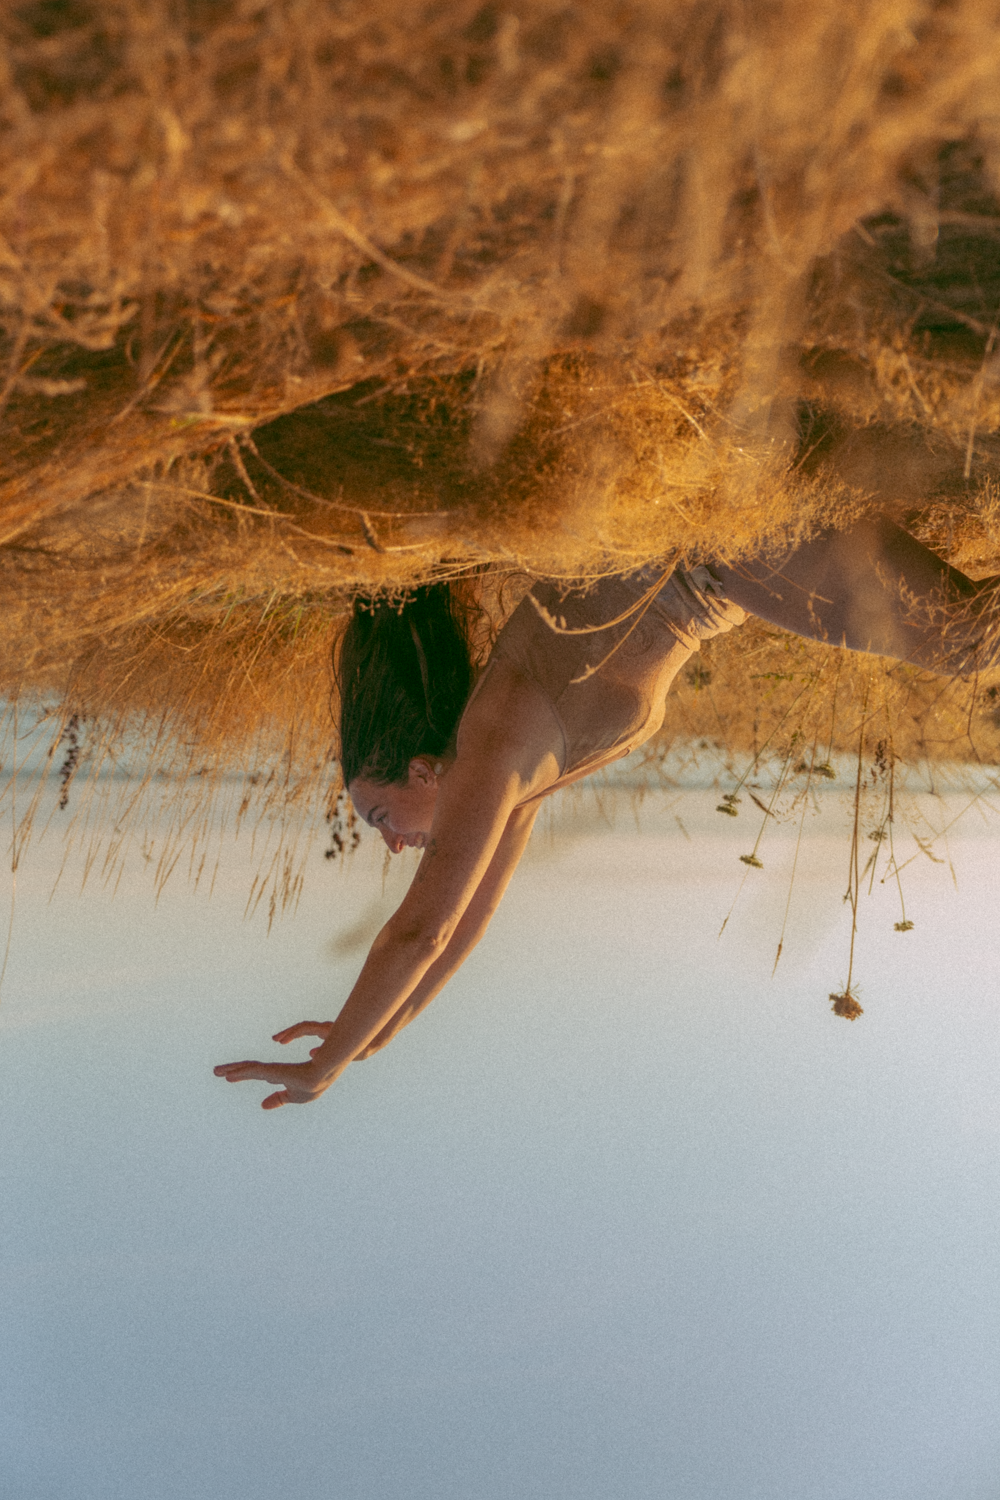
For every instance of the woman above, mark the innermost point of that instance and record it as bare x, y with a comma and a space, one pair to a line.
457, 768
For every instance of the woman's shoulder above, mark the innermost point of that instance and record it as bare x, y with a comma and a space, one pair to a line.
510, 724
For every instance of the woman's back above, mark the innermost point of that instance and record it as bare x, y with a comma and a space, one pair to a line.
604, 658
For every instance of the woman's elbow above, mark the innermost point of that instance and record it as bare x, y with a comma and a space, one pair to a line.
426, 941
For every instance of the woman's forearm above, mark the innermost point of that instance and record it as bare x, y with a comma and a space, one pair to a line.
467, 935
393, 970
390, 993
470, 929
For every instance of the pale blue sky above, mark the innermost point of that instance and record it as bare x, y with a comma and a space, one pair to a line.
618, 1218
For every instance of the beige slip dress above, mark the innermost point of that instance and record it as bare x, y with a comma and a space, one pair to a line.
605, 657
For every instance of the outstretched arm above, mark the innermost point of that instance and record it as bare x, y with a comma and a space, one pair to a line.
470, 929
479, 809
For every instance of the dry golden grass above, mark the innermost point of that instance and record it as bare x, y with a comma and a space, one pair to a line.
300, 299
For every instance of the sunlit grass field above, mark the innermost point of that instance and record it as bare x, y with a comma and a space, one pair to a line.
301, 300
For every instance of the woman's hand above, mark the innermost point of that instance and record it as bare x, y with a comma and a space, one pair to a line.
302, 1082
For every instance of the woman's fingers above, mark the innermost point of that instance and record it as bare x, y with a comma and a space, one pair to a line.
299, 1085
287, 1096
237, 1071
265, 1072
303, 1028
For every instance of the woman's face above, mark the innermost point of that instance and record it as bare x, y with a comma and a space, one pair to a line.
401, 811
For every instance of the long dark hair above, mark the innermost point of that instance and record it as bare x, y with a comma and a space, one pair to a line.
404, 674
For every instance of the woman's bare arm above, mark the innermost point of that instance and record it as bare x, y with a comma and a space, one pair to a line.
474, 922
495, 771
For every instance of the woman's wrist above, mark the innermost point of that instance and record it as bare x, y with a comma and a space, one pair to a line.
333, 1057
326, 1071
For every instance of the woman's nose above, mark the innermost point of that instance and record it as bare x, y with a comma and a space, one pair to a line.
394, 841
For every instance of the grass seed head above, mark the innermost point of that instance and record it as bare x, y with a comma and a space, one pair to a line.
846, 1005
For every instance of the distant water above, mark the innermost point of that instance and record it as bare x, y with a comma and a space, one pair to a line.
620, 1215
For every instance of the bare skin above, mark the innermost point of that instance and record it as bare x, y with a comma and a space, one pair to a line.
472, 819
871, 588
472, 814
